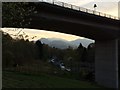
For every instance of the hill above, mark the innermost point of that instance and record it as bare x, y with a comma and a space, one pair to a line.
63, 44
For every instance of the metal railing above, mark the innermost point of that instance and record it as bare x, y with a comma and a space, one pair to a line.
66, 5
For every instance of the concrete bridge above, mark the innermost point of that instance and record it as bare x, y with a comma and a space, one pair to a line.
103, 29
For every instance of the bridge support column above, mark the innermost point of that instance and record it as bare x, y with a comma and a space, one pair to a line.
106, 63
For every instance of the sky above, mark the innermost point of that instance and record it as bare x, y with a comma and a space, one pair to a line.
104, 6
40, 34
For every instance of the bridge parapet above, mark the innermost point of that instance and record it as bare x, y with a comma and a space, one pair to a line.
66, 5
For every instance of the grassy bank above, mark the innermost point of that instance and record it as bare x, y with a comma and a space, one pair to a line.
23, 80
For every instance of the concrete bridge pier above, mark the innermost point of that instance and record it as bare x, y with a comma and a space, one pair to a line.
106, 63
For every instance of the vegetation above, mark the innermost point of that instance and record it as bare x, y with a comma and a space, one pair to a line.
14, 14
23, 80
17, 51
29, 57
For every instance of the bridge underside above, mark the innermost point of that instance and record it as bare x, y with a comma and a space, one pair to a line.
55, 18
60, 19
104, 30
75, 28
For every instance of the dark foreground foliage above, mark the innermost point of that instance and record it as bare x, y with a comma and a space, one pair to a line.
33, 57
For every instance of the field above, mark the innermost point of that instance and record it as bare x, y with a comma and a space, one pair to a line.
23, 80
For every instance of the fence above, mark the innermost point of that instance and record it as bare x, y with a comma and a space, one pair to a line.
66, 5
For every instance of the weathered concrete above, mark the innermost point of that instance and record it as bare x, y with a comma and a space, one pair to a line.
106, 63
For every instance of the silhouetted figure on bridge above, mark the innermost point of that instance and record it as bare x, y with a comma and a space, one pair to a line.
95, 5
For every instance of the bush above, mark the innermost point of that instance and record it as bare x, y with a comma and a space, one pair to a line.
8, 59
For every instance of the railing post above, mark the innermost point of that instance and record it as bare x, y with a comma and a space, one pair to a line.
104, 14
71, 6
53, 2
99, 13
79, 8
109, 16
86, 10
63, 4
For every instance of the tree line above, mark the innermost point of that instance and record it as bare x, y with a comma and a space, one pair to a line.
20, 50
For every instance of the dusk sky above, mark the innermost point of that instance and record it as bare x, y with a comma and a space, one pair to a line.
105, 6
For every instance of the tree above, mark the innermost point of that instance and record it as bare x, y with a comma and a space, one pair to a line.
80, 51
91, 53
8, 59
84, 55
17, 51
15, 14
40, 46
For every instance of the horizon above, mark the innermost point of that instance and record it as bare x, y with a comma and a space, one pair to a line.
40, 34
74, 42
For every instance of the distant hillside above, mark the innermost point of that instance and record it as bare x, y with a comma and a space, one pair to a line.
63, 44
84, 42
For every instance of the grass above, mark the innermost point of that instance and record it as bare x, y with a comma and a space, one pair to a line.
23, 80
